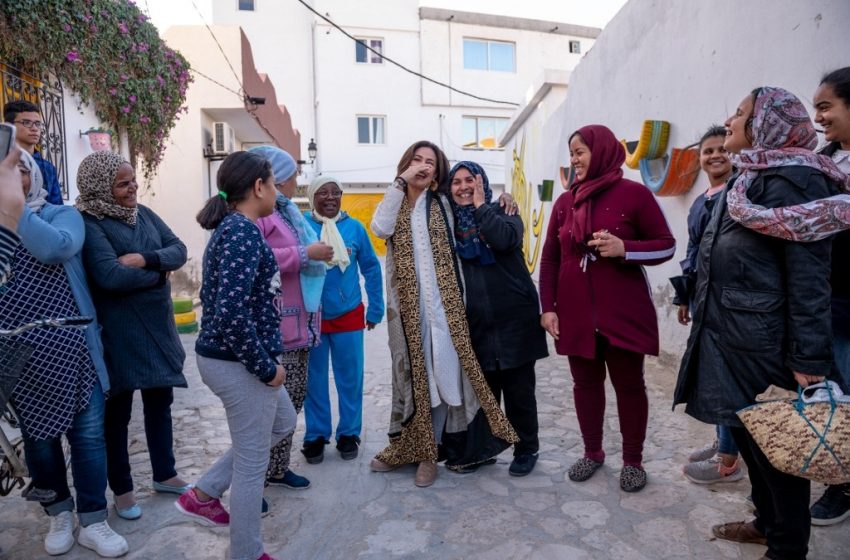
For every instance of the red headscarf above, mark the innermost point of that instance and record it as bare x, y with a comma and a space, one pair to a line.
606, 161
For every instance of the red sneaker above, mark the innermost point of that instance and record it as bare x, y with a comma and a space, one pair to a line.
210, 513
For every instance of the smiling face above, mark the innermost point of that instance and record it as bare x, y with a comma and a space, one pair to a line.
579, 156
737, 138
326, 200
833, 114
423, 179
714, 159
124, 186
463, 187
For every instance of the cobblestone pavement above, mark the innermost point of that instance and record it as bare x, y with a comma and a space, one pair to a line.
350, 512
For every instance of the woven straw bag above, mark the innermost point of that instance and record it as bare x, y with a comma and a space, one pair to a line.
808, 436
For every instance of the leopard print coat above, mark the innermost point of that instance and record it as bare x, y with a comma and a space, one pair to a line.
411, 432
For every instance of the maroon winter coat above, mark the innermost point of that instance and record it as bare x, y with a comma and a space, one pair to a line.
612, 297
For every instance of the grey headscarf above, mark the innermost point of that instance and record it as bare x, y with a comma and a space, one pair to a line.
37, 195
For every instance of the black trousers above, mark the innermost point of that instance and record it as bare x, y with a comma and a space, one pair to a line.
158, 431
781, 501
517, 386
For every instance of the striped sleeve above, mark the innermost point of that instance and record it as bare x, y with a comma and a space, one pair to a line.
8, 241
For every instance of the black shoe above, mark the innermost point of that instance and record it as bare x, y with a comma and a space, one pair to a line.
833, 507
348, 447
314, 451
264, 508
523, 464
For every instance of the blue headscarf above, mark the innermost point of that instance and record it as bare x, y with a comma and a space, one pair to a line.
312, 275
469, 243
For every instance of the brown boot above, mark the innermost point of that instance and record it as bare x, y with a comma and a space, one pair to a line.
426, 474
739, 531
379, 466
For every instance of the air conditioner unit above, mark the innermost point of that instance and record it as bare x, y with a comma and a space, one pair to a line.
224, 142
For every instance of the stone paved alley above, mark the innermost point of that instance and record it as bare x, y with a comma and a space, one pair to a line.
350, 512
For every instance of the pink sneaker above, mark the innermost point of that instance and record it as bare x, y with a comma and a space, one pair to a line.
210, 513
266, 557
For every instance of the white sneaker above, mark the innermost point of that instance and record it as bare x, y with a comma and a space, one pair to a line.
102, 539
60, 537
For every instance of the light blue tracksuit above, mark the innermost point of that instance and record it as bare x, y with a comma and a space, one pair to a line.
341, 295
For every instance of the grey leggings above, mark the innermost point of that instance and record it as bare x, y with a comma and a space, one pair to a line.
258, 416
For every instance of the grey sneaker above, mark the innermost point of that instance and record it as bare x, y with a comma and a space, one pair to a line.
704, 453
712, 470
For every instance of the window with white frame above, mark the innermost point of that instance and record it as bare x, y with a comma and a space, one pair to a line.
365, 56
246, 5
482, 54
483, 132
575, 47
371, 129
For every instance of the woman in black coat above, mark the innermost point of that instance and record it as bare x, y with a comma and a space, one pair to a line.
128, 254
762, 309
502, 306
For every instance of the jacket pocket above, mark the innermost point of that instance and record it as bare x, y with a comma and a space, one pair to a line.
753, 320
290, 325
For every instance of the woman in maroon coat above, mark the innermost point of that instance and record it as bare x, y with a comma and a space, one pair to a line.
595, 297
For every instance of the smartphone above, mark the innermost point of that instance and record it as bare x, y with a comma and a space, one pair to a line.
7, 139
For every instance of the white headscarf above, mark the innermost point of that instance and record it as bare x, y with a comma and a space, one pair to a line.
330, 233
37, 195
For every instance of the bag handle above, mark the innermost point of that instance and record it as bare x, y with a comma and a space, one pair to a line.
825, 391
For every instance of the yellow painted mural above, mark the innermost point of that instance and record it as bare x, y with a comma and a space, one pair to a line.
532, 215
361, 206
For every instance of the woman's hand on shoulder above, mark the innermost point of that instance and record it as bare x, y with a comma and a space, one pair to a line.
132, 260
549, 321
320, 251
506, 202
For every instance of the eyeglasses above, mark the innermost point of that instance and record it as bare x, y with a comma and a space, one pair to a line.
26, 123
335, 193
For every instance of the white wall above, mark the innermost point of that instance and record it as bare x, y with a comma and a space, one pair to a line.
280, 34
691, 63
77, 119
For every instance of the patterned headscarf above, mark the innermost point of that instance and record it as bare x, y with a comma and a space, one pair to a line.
469, 242
37, 194
94, 180
783, 134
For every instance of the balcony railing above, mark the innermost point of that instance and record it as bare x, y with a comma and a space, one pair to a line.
46, 92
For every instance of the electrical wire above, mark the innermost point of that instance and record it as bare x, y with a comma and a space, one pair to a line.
235, 75
250, 107
216, 82
398, 64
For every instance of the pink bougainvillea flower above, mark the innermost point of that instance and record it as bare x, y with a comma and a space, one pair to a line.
72, 56
124, 77
125, 109
113, 91
144, 120
66, 27
132, 99
122, 27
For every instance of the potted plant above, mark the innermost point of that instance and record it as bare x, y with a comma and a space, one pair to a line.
100, 138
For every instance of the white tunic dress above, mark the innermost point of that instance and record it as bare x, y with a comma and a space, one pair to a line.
441, 360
